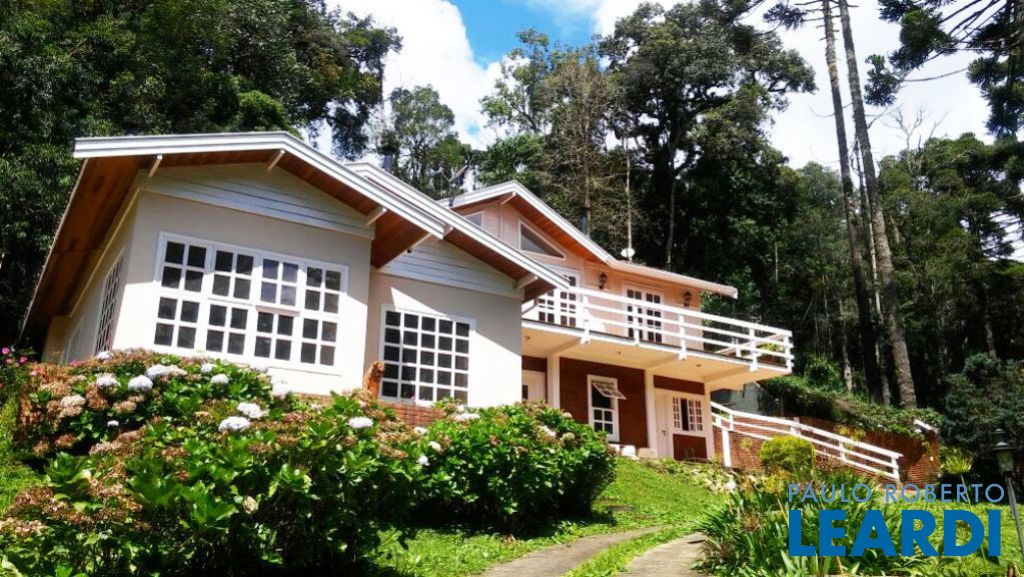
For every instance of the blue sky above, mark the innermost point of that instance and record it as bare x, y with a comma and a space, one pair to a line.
456, 46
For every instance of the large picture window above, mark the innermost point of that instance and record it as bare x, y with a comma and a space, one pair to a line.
108, 306
426, 357
245, 303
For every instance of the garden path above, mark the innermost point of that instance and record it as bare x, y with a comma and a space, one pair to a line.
672, 559
558, 559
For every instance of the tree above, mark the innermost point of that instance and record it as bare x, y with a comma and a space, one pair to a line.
677, 68
70, 69
891, 315
421, 131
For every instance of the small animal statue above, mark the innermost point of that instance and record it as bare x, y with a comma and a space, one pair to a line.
1012, 571
371, 380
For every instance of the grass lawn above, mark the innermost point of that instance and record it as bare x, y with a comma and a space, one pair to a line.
1010, 545
13, 475
640, 497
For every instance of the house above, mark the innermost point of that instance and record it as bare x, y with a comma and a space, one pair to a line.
258, 249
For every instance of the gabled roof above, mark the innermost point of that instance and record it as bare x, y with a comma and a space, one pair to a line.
556, 226
403, 216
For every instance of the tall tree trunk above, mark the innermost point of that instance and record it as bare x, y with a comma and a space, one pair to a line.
890, 297
671, 234
882, 349
844, 346
867, 331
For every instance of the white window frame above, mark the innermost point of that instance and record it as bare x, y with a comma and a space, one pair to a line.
691, 400
253, 305
106, 318
415, 400
647, 330
471, 215
614, 437
553, 245
558, 305
72, 344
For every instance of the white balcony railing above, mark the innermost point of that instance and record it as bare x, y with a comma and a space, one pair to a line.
849, 452
653, 323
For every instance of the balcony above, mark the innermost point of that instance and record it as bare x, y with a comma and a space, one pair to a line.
678, 342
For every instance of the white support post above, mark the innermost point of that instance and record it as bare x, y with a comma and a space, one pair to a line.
754, 353
682, 337
651, 408
726, 450
554, 381
787, 349
583, 317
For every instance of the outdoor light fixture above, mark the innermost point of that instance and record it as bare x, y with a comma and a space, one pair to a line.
687, 297
602, 280
1004, 453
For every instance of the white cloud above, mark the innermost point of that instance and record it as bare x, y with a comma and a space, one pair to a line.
805, 131
435, 51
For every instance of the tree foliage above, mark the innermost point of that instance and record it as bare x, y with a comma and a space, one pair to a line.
71, 69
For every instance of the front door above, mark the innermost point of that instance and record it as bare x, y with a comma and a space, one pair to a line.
682, 415
663, 414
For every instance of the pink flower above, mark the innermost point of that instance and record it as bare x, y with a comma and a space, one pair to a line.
22, 360
6, 350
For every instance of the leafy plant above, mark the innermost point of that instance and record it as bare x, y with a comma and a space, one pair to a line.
788, 454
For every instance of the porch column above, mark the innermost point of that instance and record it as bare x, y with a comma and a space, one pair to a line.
554, 381
650, 410
709, 428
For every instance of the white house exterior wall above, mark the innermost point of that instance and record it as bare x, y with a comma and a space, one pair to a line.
158, 213
495, 376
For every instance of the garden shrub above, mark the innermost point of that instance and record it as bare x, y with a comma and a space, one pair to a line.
788, 454
14, 372
514, 465
800, 396
298, 491
71, 408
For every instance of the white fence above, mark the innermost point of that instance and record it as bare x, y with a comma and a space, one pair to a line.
651, 322
851, 453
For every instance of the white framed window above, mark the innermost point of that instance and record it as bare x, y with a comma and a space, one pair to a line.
532, 241
560, 307
476, 218
108, 305
603, 404
248, 304
71, 347
687, 415
647, 319
426, 356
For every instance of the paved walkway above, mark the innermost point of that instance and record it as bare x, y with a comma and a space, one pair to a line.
558, 559
672, 559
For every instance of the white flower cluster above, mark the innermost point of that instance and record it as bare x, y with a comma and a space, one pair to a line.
113, 423
103, 355
159, 371
360, 422
72, 401
419, 431
423, 461
434, 446
250, 410
234, 424
106, 380
548, 433
207, 368
140, 383
463, 417
221, 379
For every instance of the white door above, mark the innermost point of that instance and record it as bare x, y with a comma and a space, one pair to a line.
647, 319
534, 386
663, 430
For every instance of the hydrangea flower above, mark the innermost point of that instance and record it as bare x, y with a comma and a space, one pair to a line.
221, 379
730, 486
547, 432
463, 417
419, 431
434, 446
360, 422
106, 380
423, 461
234, 424
113, 424
250, 505
251, 410
103, 355
207, 368
140, 383
72, 401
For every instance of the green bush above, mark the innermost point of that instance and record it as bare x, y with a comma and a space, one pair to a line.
71, 408
799, 396
512, 466
788, 454
14, 372
301, 491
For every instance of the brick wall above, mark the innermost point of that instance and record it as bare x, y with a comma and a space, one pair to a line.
920, 463
632, 409
745, 451
415, 416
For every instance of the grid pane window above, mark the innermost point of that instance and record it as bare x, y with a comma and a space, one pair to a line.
687, 415
108, 307
235, 301
183, 267
426, 358
603, 409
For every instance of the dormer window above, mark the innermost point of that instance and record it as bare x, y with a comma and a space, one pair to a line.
531, 241
476, 218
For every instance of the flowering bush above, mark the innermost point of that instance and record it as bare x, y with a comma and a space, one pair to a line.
14, 372
508, 466
72, 408
302, 490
